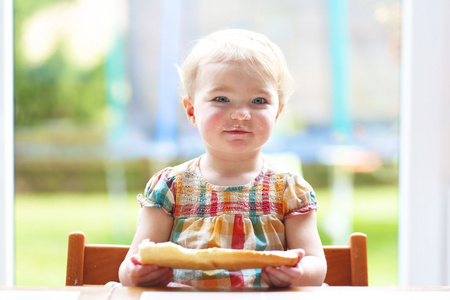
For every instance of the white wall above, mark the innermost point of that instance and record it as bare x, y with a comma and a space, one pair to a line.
6, 145
425, 144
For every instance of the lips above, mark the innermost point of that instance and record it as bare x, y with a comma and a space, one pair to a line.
237, 132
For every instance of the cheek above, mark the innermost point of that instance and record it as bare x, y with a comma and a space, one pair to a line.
210, 122
264, 124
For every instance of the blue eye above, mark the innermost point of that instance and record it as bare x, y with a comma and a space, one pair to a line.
259, 100
221, 99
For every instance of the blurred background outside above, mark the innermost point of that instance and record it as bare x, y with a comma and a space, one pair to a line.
98, 112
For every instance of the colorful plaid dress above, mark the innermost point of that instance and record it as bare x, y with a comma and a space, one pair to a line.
246, 217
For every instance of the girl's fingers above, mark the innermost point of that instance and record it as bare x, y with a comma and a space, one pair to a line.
135, 260
265, 277
281, 277
300, 253
156, 276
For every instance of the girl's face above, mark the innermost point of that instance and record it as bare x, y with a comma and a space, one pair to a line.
234, 111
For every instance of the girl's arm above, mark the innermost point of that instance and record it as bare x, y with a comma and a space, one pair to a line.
301, 232
301, 236
155, 225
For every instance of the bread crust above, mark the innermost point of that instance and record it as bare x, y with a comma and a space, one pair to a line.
174, 256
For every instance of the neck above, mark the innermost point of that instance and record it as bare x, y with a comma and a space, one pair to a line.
230, 170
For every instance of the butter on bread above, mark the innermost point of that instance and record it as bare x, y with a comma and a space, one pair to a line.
174, 256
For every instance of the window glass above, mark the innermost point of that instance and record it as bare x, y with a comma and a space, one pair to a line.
98, 111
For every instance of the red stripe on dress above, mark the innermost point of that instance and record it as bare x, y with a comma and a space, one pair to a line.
238, 238
213, 207
265, 194
236, 278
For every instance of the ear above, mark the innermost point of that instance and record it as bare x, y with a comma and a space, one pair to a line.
189, 107
280, 110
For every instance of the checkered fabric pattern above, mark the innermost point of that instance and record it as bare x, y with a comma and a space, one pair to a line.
246, 217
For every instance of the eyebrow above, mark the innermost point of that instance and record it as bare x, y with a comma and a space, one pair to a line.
220, 88
225, 89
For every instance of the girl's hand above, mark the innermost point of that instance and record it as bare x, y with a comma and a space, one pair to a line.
147, 275
283, 276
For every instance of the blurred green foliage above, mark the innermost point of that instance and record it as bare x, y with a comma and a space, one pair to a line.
55, 89
88, 175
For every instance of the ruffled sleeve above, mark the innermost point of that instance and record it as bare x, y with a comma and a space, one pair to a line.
299, 197
160, 192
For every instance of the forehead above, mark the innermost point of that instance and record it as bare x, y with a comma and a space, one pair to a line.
219, 72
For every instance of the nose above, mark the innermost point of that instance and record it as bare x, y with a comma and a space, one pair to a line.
240, 114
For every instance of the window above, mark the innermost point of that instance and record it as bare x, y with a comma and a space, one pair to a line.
90, 130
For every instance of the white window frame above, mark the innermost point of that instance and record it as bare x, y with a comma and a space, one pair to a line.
6, 144
424, 228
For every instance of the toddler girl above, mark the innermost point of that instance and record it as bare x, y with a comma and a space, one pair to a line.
237, 84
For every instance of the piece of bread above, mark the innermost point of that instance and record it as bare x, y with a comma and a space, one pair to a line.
174, 256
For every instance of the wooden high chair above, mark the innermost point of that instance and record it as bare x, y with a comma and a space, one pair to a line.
90, 264
347, 265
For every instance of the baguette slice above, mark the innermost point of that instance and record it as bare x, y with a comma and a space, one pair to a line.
174, 256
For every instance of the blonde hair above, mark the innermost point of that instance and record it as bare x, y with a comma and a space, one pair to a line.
254, 50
